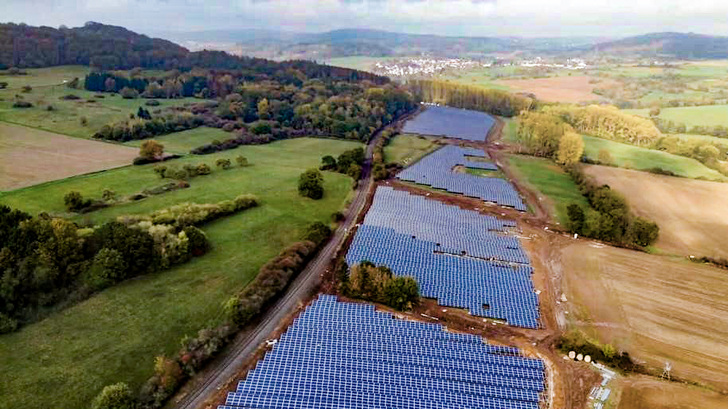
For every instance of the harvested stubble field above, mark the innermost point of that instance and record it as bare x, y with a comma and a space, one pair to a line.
657, 308
643, 392
31, 156
577, 88
690, 213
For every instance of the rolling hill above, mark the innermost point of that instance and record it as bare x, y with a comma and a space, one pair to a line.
671, 45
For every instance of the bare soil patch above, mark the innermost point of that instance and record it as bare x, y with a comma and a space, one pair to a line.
657, 308
648, 393
691, 213
31, 156
576, 88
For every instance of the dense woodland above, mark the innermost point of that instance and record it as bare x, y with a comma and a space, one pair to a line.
259, 108
492, 101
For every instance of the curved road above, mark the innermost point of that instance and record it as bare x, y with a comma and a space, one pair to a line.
246, 343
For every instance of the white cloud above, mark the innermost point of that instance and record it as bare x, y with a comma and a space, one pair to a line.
454, 17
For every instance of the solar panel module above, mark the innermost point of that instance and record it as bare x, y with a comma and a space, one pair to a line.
342, 355
459, 257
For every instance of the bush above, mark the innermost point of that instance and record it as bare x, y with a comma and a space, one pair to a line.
117, 396
70, 97
368, 282
152, 103
84, 121
26, 88
50, 108
22, 104
108, 268
328, 163
242, 161
7, 324
317, 232
337, 217
74, 201
311, 184
199, 244
203, 169
223, 163
151, 150
129, 93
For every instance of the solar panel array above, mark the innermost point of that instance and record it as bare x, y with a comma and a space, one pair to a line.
350, 356
459, 257
452, 123
436, 170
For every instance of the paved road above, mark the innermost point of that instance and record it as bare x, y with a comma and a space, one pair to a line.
224, 368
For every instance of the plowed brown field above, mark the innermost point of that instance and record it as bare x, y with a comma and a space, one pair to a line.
30, 156
691, 213
560, 89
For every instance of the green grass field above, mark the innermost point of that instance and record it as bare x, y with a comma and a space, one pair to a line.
67, 358
65, 118
554, 185
510, 130
406, 149
183, 142
703, 138
708, 115
633, 157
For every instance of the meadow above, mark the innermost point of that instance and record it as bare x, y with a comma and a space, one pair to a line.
66, 115
406, 149
690, 213
642, 392
183, 142
115, 335
707, 115
678, 318
556, 188
30, 156
634, 157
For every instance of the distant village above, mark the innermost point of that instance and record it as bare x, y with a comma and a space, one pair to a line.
425, 66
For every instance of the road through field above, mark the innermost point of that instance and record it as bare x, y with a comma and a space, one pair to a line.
245, 344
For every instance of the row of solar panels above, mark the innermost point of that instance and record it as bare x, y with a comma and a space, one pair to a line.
342, 355
436, 170
452, 123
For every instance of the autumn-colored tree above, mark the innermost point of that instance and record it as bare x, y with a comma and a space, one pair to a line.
571, 147
151, 150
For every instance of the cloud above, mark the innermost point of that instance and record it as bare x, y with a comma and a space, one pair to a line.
541, 18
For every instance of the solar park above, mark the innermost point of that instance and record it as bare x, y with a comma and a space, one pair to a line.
459, 257
342, 355
451, 122
436, 170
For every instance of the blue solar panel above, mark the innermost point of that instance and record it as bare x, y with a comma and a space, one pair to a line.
436, 170
353, 364
452, 123
459, 257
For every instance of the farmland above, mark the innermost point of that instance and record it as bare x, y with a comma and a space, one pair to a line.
708, 115
183, 142
556, 188
633, 157
679, 317
559, 89
30, 156
690, 213
648, 393
405, 149
115, 335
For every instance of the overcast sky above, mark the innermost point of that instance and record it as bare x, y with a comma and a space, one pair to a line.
529, 18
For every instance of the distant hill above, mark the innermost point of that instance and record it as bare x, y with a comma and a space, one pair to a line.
111, 47
675, 45
374, 43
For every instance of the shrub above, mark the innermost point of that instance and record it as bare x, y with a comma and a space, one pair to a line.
108, 267
317, 232
7, 324
160, 170
70, 97
117, 396
242, 161
328, 163
152, 103
22, 104
84, 121
223, 163
203, 169
368, 282
311, 184
199, 244
337, 217
151, 150
129, 93
50, 108
74, 201
26, 88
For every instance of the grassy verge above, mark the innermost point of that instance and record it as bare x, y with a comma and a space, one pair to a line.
633, 157
114, 336
407, 149
183, 142
707, 115
553, 184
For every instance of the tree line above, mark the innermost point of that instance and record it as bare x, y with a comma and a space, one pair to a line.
547, 135
492, 101
607, 122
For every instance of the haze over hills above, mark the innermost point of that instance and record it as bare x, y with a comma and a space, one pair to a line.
376, 43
